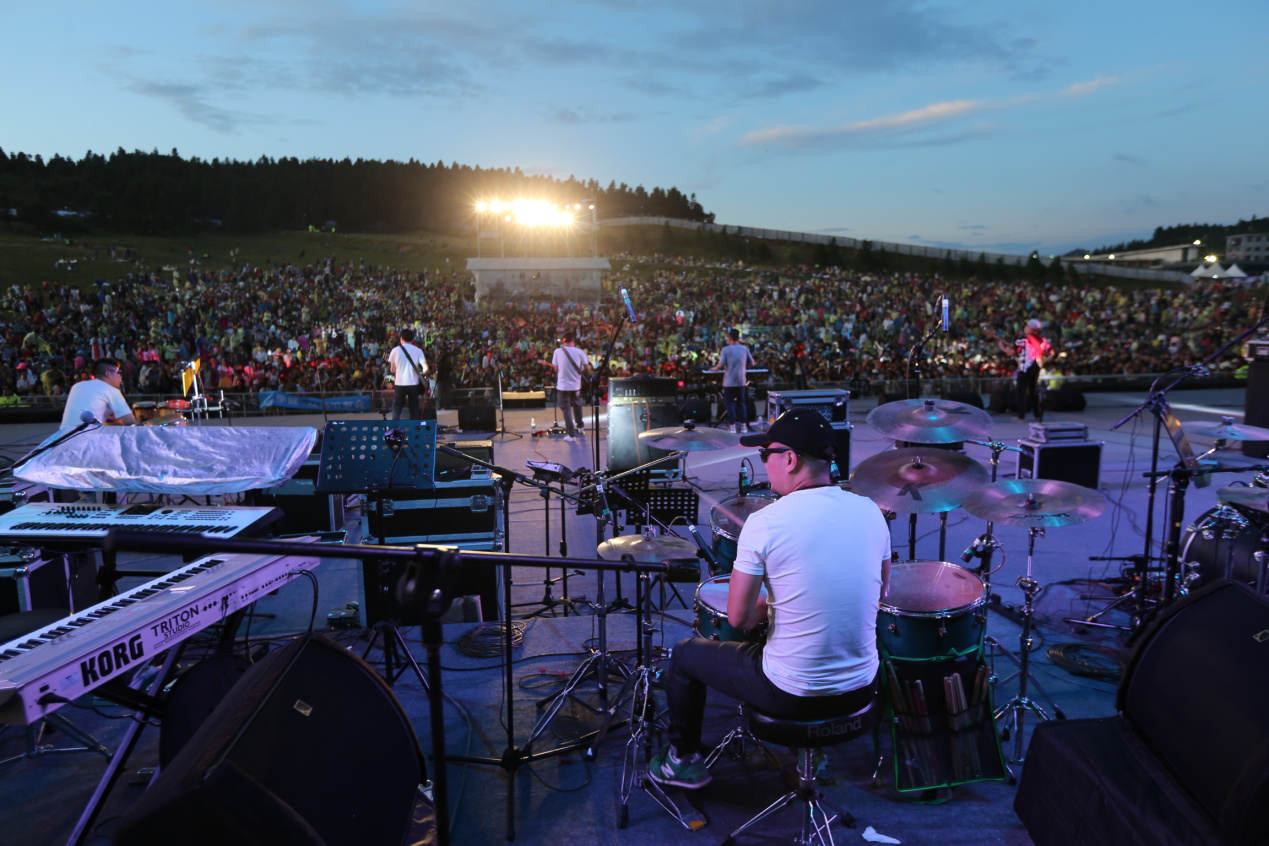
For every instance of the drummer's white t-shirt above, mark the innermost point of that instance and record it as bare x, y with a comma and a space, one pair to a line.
819, 551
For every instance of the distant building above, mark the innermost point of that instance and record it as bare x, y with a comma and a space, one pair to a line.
1155, 256
1247, 248
576, 279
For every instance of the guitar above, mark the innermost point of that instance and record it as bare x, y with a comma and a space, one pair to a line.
1023, 354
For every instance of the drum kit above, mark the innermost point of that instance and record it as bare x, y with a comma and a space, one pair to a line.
932, 609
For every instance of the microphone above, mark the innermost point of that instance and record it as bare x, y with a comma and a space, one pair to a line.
946, 320
630, 312
88, 417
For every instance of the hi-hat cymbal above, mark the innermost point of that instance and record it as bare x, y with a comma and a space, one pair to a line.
1035, 503
930, 421
1231, 431
688, 438
647, 550
918, 480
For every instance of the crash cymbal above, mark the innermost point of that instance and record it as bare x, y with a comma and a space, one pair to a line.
1230, 431
918, 480
930, 421
688, 438
1244, 498
647, 550
1035, 503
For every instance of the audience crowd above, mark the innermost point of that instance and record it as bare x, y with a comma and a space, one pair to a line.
328, 327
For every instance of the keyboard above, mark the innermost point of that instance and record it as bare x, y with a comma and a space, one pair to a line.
86, 521
42, 670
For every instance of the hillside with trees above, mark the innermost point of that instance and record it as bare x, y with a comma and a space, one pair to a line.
158, 193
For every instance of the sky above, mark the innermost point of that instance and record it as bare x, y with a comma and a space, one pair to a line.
1001, 125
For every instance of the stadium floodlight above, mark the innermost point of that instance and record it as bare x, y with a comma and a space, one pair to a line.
1210, 258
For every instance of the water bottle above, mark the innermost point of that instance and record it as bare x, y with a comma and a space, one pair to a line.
744, 478
533, 427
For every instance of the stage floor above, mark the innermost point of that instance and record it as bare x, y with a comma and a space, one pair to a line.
572, 795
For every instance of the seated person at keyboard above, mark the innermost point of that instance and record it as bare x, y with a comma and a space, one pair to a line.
99, 396
823, 555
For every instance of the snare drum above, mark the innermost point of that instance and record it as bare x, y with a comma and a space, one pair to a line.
727, 518
711, 613
931, 610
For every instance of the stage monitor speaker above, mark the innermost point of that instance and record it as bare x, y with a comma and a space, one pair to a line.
1064, 399
1208, 659
477, 418
1256, 406
965, 398
625, 422
309, 747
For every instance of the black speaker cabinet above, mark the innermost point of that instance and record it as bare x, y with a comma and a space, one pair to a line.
477, 418
1256, 406
1077, 462
310, 746
625, 422
1186, 761
1064, 399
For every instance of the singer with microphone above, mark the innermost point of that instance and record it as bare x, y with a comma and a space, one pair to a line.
99, 398
1032, 350
734, 360
570, 364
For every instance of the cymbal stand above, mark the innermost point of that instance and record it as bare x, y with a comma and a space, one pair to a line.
634, 767
1020, 703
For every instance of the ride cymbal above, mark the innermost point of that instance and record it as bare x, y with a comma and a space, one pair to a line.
688, 438
930, 421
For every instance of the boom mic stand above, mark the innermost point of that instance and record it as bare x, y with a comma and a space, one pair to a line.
426, 585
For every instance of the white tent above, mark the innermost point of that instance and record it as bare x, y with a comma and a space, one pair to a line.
1233, 272
1200, 271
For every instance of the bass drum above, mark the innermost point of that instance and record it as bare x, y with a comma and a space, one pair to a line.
931, 611
1212, 538
727, 518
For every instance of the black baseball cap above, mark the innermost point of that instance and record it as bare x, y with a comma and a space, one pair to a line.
803, 430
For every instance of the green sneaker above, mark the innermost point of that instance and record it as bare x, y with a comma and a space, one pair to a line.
664, 768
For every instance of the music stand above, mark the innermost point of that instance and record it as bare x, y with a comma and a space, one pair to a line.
362, 456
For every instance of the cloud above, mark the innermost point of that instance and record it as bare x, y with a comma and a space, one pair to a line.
914, 127
191, 102
576, 117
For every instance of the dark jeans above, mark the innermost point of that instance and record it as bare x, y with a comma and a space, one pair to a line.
403, 395
737, 402
735, 669
1029, 392
571, 402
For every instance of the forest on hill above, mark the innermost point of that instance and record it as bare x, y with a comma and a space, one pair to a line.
157, 193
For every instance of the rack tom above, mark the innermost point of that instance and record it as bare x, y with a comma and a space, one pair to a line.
727, 518
931, 610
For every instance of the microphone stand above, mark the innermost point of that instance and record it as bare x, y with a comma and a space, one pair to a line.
1157, 403
57, 441
914, 363
426, 585
502, 415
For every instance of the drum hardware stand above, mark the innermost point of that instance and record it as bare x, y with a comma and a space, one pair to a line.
1020, 703
634, 766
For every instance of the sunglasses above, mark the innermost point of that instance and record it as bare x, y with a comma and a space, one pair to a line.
764, 452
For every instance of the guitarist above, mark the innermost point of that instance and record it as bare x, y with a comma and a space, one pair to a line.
100, 396
570, 364
408, 367
1032, 350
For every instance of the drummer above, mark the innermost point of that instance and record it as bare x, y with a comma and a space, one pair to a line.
822, 554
